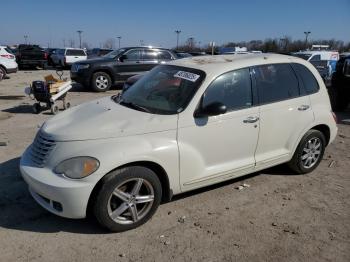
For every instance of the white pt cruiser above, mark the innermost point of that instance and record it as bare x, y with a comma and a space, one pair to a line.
184, 125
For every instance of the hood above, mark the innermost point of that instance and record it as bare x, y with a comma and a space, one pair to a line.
102, 119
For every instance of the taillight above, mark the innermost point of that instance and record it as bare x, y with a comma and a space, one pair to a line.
8, 56
335, 117
45, 55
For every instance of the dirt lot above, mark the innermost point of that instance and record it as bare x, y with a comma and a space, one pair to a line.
280, 217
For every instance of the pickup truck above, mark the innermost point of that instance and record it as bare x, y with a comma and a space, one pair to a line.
67, 56
31, 56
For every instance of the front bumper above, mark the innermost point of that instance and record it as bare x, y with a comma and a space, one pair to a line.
82, 77
59, 195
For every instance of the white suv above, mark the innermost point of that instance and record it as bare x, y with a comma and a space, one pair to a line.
8, 63
68, 56
184, 125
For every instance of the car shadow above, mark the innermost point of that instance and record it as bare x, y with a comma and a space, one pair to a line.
20, 212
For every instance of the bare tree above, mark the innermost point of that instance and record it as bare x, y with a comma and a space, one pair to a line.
108, 43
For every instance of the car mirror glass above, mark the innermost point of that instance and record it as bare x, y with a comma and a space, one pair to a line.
213, 109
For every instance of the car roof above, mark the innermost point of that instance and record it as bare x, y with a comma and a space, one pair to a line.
218, 64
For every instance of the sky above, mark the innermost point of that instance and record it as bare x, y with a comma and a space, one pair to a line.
53, 23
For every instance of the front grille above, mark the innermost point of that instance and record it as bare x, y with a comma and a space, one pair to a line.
41, 148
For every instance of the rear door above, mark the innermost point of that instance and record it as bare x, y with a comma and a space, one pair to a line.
285, 112
149, 59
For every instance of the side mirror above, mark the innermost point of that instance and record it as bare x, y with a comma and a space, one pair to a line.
346, 68
213, 109
122, 58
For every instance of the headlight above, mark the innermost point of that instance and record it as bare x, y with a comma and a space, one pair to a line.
77, 167
83, 66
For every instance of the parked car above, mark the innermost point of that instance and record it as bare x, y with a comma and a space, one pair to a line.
324, 61
8, 63
101, 73
181, 54
68, 56
130, 81
96, 52
184, 125
340, 89
50, 53
31, 56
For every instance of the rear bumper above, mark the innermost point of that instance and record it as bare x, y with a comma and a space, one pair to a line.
11, 70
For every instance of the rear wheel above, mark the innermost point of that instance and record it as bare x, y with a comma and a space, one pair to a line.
101, 82
128, 198
309, 152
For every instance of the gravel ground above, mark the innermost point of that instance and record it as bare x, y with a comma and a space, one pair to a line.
279, 217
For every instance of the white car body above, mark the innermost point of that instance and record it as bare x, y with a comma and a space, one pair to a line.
7, 62
192, 152
68, 56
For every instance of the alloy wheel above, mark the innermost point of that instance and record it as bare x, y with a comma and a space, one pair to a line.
130, 201
311, 152
102, 82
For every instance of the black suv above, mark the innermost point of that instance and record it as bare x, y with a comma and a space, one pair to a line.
115, 67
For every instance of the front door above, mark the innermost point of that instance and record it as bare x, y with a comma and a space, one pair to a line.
216, 148
130, 65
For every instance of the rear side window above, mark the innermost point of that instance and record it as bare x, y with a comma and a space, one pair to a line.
309, 81
149, 55
75, 52
276, 82
164, 55
233, 89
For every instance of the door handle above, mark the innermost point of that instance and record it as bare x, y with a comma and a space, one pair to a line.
251, 119
303, 107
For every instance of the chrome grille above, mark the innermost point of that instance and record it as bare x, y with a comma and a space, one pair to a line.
41, 148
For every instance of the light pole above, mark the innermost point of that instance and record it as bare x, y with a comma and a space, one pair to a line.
25, 39
177, 38
119, 37
141, 42
80, 32
306, 36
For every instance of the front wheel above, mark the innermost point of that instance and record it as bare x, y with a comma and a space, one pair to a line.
101, 82
128, 198
309, 152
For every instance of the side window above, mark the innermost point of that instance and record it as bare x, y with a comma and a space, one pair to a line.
233, 89
164, 55
276, 82
133, 55
315, 58
149, 54
309, 81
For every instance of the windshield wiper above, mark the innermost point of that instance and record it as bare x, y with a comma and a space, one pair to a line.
134, 106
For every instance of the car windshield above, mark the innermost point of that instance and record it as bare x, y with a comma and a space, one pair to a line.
114, 53
303, 56
166, 89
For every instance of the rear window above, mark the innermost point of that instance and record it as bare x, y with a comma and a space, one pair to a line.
276, 82
8, 50
309, 81
75, 52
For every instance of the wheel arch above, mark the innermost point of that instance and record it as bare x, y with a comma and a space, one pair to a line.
155, 167
325, 130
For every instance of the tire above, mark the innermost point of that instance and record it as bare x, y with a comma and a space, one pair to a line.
301, 165
36, 108
54, 109
124, 180
101, 82
2, 73
66, 105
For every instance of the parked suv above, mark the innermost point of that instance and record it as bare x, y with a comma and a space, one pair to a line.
67, 56
8, 63
188, 124
101, 73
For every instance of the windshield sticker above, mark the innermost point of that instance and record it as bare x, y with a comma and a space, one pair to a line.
187, 76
